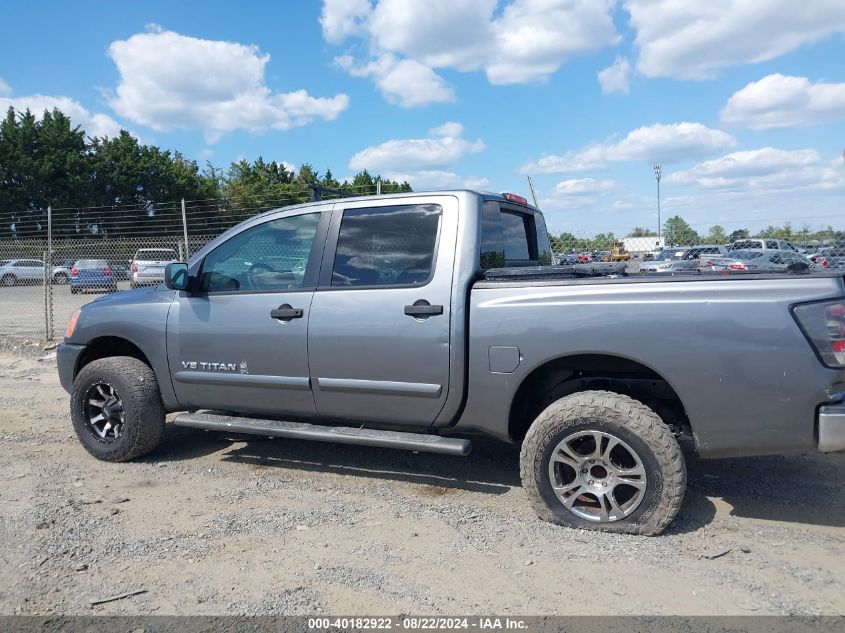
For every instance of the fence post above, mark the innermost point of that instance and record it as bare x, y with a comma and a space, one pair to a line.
48, 275
185, 229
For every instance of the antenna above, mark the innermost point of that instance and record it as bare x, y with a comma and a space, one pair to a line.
533, 193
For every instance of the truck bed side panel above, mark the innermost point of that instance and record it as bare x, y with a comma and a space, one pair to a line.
747, 377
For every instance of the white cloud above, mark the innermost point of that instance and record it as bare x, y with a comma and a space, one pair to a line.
432, 179
664, 143
403, 82
766, 169
171, 81
584, 187
533, 38
444, 146
526, 41
342, 18
94, 123
614, 78
778, 101
577, 193
691, 39
5, 89
421, 161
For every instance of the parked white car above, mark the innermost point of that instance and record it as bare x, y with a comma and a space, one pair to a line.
29, 271
147, 266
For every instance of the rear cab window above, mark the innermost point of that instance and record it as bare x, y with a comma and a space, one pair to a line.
512, 236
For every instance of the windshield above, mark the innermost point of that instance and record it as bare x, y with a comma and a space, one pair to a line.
665, 254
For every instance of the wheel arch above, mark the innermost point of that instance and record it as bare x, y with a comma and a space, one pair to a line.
564, 375
108, 346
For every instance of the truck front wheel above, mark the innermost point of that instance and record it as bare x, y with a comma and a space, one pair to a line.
116, 409
604, 461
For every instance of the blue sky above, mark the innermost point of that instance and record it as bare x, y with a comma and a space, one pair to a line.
742, 101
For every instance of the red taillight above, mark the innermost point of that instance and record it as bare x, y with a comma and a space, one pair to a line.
824, 325
107, 271
824, 263
739, 267
74, 272
512, 197
134, 268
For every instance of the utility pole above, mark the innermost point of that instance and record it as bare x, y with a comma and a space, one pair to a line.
185, 229
657, 169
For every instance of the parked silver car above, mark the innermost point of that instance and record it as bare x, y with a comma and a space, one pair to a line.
773, 260
29, 271
147, 266
681, 259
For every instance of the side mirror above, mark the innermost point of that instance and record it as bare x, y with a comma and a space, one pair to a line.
176, 276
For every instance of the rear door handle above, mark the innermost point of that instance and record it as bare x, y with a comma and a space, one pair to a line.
285, 312
423, 308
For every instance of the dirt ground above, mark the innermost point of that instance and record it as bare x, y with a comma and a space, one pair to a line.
212, 524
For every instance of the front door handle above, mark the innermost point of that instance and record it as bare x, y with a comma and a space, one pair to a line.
285, 312
423, 308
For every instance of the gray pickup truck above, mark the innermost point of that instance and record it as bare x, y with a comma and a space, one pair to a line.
418, 320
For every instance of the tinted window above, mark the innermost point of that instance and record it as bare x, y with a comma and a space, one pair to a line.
544, 248
506, 237
386, 246
771, 244
270, 256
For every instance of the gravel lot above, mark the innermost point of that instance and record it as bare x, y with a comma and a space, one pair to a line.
212, 524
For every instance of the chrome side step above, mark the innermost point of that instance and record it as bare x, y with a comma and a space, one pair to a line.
338, 434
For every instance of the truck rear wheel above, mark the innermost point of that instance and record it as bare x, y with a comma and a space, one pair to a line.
116, 409
603, 461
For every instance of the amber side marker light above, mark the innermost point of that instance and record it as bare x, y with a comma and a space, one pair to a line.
71, 325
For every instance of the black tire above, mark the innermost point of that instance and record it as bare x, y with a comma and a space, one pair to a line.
640, 430
143, 412
60, 278
9, 280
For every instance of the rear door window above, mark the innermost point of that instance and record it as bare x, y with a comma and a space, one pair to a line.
387, 246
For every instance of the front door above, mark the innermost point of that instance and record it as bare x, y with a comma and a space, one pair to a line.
378, 337
239, 342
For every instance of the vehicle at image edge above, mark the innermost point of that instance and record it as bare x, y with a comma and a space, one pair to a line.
770, 260
92, 274
418, 320
831, 257
30, 271
755, 244
147, 266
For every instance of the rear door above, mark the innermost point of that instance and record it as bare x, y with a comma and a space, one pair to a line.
239, 341
378, 338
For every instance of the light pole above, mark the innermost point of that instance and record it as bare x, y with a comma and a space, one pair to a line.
657, 176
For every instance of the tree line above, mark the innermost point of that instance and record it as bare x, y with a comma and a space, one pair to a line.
120, 185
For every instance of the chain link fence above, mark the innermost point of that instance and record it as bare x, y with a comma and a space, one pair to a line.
61, 259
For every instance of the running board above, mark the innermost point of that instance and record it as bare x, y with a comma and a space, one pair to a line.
338, 434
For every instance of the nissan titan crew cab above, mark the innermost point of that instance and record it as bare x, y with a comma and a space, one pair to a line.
418, 320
